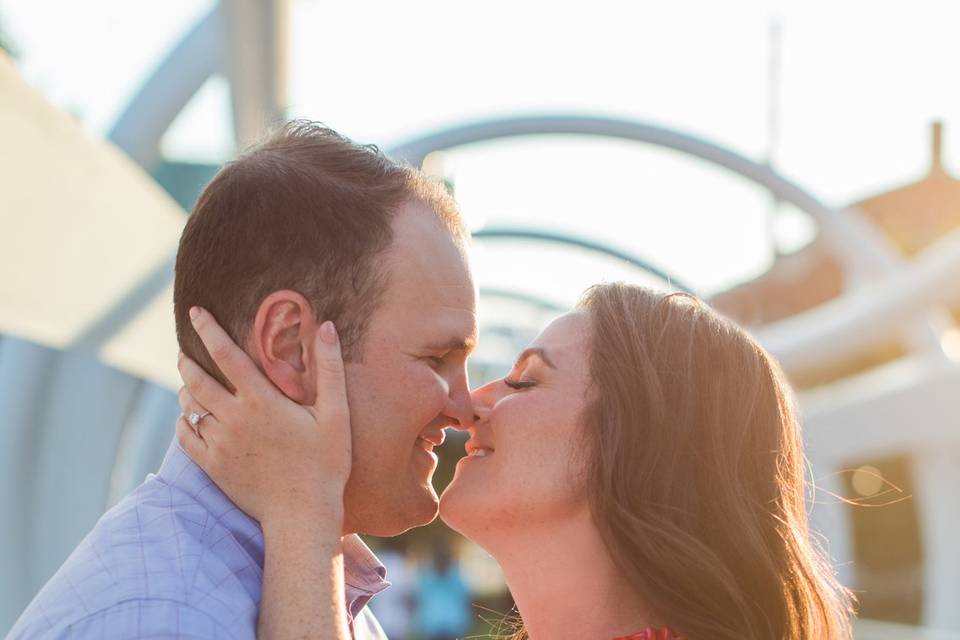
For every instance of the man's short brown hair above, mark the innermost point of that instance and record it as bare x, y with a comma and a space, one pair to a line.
307, 210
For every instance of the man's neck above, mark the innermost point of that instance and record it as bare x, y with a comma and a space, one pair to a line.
565, 583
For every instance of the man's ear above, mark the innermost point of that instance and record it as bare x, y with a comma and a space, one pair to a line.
283, 330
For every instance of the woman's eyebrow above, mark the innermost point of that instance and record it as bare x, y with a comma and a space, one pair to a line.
534, 351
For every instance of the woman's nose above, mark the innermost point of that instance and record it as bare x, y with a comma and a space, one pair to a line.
483, 396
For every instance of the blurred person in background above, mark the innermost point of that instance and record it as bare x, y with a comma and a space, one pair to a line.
638, 475
443, 598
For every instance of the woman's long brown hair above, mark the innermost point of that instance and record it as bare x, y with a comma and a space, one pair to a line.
696, 473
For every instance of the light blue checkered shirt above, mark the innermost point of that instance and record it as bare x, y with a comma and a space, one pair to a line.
176, 559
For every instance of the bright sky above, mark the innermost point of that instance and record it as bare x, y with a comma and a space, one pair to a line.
859, 83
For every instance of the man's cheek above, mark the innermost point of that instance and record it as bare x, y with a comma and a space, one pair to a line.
419, 379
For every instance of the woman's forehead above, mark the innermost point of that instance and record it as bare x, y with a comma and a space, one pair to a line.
565, 337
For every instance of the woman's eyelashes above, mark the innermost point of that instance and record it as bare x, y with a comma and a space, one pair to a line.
519, 384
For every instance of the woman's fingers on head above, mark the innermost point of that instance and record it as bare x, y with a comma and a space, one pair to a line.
328, 360
190, 441
231, 359
200, 388
190, 408
186, 401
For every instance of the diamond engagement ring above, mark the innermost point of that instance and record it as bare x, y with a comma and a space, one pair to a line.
195, 418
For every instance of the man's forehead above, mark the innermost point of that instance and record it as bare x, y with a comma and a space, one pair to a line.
459, 295
433, 314
459, 323
425, 251
430, 288
446, 283
447, 272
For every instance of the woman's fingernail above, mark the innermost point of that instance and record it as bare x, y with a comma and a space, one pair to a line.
194, 313
328, 333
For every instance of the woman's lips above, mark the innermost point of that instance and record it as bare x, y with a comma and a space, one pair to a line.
477, 449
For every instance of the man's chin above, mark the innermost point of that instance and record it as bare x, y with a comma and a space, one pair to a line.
428, 516
418, 511
427, 509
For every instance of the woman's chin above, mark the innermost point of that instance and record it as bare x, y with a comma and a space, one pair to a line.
475, 507
448, 508
455, 507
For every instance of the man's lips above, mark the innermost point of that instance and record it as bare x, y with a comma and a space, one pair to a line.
435, 438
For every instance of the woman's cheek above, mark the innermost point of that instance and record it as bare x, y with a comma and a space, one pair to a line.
542, 428
528, 413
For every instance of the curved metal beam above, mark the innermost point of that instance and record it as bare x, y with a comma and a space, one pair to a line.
594, 246
540, 303
138, 132
857, 244
162, 97
256, 45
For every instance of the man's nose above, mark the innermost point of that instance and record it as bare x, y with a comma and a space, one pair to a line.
462, 414
481, 413
460, 405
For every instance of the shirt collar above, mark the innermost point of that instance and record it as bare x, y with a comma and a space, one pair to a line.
364, 574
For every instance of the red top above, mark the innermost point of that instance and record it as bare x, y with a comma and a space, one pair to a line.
663, 633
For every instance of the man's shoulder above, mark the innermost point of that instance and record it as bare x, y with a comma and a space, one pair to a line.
157, 552
137, 618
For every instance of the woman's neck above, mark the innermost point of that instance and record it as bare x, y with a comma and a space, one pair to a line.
565, 583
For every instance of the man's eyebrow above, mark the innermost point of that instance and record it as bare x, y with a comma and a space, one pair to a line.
534, 351
466, 345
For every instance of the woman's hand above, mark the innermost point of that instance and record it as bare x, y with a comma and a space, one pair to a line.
276, 459
285, 465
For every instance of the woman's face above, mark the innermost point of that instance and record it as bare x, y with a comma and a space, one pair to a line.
523, 465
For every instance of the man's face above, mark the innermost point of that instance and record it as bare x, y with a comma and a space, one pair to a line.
412, 379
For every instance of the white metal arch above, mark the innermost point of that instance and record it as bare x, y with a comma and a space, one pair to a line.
856, 243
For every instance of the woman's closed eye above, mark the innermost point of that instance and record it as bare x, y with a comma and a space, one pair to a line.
519, 384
